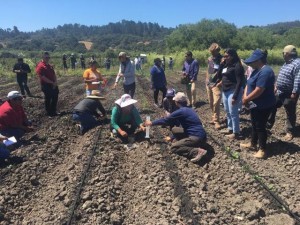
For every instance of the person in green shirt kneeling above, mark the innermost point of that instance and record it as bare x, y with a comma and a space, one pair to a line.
125, 118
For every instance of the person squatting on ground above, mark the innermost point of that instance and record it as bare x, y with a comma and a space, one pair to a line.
259, 97
86, 111
21, 69
214, 91
13, 120
169, 104
92, 78
231, 74
191, 136
158, 81
48, 81
190, 70
127, 71
125, 118
287, 90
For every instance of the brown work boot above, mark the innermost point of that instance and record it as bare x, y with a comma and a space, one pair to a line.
247, 145
211, 122
260, 154
217, 126
288, 137
226, 131
232, 136
200, 154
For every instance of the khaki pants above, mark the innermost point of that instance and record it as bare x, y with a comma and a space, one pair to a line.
191, 93
214, 98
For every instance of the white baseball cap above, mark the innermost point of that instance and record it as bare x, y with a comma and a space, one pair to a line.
14, 94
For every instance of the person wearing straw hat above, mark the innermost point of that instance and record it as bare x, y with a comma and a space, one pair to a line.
191, 136
214, 92
86, 111
287, 90
125, 118
190, 70
13, 120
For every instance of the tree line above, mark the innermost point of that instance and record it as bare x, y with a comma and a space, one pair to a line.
151, 37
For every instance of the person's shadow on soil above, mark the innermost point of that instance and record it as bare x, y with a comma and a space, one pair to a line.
199, 104
281, 148
297, 131
36, 96
12, 160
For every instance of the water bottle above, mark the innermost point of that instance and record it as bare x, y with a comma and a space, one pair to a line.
147, 128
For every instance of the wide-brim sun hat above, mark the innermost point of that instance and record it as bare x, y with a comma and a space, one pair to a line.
256, 55
95, 95
125, 100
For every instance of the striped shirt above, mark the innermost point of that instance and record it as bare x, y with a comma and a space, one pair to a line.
288, 80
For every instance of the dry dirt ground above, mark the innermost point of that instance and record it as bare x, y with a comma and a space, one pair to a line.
65, 178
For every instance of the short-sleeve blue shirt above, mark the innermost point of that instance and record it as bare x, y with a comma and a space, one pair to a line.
264, 78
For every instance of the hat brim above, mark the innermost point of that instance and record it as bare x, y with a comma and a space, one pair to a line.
95, 97
252, 59
126, 103
170, 95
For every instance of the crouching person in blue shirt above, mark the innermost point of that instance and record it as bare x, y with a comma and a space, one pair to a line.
191, 136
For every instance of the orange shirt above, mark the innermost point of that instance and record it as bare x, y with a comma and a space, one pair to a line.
89, 74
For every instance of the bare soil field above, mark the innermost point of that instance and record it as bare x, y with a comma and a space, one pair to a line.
65, 178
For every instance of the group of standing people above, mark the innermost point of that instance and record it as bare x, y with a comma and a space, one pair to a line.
225, 79
73, 61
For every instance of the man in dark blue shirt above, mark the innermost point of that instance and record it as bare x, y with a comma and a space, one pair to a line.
21, 69
191, 136
190, 70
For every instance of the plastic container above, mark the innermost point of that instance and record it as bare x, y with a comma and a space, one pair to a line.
147, 128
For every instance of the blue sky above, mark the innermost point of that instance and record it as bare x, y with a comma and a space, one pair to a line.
32, 15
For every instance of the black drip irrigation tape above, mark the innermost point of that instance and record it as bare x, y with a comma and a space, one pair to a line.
86, 170
256, 177
83, 178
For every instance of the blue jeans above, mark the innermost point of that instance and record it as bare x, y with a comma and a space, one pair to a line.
4, 152
16, 132
232, 111
87, 121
